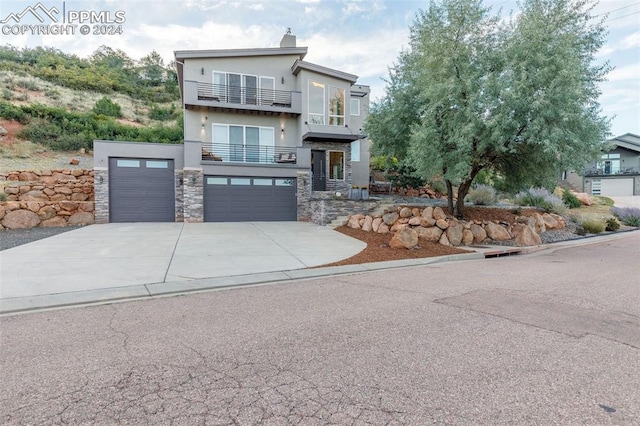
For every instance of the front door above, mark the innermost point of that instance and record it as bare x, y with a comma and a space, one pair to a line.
318, 170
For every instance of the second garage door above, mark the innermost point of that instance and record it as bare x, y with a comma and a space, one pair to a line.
243, 199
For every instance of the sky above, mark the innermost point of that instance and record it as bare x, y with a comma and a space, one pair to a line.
361, 37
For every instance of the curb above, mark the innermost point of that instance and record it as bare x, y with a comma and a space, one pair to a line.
21, 305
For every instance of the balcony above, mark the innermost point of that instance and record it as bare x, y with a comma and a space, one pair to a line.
241, 99
256, 154
594, 172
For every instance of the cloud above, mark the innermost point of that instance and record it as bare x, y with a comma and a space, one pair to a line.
626, 73
629, 42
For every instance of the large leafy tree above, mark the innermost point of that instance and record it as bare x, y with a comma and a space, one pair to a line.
473, 93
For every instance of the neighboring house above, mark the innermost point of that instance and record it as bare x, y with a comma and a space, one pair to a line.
264, 131
616, 173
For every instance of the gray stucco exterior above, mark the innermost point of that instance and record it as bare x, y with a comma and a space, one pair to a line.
257, 124
617, 170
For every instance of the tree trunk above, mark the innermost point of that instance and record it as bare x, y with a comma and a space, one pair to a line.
449, 194
463, 190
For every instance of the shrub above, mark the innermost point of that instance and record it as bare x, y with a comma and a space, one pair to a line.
541, 198
106, 106
404, 177
612, 224
630, 216
439, 186
593, 226
482, 195
162, 114
3, 196
570, 199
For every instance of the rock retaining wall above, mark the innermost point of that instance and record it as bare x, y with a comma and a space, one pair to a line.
49, 198
321, 208
410, 224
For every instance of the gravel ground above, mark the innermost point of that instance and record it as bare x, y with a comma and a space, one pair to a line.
17, 237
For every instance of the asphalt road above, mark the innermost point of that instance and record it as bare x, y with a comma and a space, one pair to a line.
551, 338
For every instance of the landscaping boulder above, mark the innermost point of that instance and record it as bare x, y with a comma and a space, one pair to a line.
54, 222
367, 225
479, 234
549, 221
584, 198
454, 233
427, 213
406, 212
467, 237
415, 221
81, 218
375, 224
432, 234
404, 238
17, 219
438, 213
442, 224
390, 218
444, 240
525, 235
34, 196
354, 221
496, 232
383, 229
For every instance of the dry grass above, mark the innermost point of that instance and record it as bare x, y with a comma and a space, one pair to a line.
26, 89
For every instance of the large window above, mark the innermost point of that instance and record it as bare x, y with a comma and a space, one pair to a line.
316, 102
248, 144
243, 88
336, 165
610, 164
336, 106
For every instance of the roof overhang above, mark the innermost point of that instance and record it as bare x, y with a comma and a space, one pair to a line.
302, 65
628, 141
330, 137
301, 52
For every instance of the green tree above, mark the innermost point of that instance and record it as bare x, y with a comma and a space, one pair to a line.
152, 68
518, 99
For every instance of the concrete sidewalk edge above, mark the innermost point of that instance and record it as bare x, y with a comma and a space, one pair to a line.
21, 305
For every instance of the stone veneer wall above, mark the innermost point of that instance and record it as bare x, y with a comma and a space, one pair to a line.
335, 185
193, 195
47, 198
322, 207
101, 185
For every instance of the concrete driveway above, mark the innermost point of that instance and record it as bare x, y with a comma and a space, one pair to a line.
626, 201
118, 260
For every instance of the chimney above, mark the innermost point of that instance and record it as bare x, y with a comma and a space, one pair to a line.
288, 40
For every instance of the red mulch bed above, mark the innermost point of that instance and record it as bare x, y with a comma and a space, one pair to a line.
378, 249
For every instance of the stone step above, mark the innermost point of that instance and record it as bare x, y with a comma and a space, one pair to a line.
338, 222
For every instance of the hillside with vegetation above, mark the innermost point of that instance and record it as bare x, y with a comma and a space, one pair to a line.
62, 102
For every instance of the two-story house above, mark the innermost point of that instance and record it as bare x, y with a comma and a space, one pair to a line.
264, 131
616, 173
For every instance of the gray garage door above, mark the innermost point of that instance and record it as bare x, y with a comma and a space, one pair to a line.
141, 190
242, 199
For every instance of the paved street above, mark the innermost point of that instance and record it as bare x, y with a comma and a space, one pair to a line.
547, 338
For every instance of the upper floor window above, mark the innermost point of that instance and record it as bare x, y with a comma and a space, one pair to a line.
336, 106
354, 106
610, 164
243, 88
316, 102
240, 143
